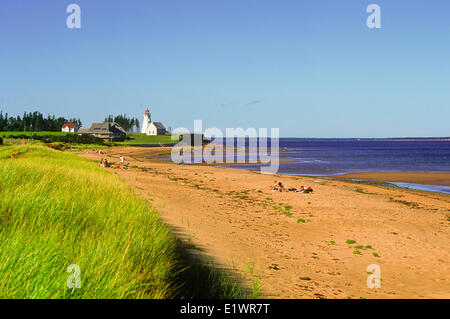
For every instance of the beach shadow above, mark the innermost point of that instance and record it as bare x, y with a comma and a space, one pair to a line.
199, 277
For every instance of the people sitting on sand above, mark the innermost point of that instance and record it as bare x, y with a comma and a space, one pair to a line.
275, 186
105, 163
278, 186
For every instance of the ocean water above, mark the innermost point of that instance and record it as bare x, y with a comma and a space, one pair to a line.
331, 157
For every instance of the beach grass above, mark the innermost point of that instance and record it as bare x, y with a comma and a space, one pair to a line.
57, 210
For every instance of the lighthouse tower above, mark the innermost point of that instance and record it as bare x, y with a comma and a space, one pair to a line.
146, 122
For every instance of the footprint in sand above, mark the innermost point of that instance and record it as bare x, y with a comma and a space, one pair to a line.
305, 278
274, 267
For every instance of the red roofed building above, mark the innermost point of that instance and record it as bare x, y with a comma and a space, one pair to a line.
69, 127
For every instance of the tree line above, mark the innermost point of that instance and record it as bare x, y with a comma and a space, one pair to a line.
36, 122
33, 122
129, 124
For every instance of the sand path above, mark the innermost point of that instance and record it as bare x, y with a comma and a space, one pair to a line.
230, 215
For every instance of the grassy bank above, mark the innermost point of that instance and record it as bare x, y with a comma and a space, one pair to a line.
57, 209
142, 139
133, 139
3, 134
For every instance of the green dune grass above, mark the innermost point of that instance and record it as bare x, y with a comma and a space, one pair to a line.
57, 209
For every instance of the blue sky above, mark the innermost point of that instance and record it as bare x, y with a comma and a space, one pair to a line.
311, 68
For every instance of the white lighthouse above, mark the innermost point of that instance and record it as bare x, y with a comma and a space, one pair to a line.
146, 122
152, 128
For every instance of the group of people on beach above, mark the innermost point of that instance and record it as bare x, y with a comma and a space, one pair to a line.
279, 187
104, 161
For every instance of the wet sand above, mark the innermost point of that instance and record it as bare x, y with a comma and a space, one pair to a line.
295, 245
441, 179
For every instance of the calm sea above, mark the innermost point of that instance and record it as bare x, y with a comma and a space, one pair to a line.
330, 157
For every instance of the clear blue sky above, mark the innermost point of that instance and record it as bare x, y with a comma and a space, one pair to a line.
310, 67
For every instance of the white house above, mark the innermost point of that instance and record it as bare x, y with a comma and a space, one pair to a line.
69, 128
152, 128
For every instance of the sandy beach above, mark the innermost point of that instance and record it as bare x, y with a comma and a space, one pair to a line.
301, 245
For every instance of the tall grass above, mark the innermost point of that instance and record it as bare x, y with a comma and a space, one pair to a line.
57, 209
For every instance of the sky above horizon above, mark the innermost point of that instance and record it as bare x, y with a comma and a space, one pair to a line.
310, 68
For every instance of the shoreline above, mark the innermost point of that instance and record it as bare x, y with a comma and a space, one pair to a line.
431, 185
422, 181
426, 181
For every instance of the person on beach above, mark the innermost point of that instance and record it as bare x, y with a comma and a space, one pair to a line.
304, 190
308, 190
122, 159
301, 189
275, 186
278, 187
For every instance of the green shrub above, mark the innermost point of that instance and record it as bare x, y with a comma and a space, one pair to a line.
66, 138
